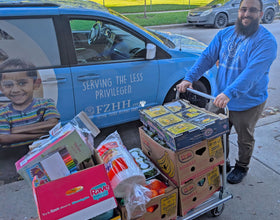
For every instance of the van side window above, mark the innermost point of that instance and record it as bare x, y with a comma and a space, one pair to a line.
96, 40
33, 40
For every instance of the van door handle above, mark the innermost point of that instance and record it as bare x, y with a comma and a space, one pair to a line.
54, 81
88, 77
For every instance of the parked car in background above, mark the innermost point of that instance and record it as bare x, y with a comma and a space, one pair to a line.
220, 13
92, 59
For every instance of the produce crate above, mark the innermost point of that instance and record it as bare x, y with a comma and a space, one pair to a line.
180, 124
182, 165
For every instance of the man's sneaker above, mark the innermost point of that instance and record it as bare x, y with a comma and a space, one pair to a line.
237, 175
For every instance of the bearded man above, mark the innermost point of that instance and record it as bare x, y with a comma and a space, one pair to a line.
245, 53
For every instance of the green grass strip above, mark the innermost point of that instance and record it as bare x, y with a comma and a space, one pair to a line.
153, 19
153, 8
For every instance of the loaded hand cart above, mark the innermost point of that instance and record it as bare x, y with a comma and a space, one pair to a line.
188, 144
215, 204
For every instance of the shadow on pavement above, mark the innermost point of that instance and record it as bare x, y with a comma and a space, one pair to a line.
8, 157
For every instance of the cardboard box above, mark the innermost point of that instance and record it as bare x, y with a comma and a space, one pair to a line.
82, 195
182, 165
193, 124
175, 142
29, 165
198, 189
166, 204
73, 141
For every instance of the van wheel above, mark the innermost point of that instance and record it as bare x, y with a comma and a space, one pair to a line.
268, 16
192, 98
196, 99
221, 20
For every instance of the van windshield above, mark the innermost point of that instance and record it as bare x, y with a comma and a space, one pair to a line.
159, 37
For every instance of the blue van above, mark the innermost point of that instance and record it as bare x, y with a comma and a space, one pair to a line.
93, 59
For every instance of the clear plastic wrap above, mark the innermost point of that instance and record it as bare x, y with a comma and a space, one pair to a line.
146, 165
86, 129
135, 201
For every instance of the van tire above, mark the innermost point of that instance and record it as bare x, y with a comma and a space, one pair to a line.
194, 99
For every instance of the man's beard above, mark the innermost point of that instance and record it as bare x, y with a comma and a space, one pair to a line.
249, 30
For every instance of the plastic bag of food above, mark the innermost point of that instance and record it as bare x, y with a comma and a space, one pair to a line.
121, 168
135, 201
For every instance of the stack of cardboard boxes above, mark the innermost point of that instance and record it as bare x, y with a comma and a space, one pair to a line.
68, 178
184, 142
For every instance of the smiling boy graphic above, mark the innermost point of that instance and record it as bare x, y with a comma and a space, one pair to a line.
25, 118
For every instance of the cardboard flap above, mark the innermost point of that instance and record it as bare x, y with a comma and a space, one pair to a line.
87, 123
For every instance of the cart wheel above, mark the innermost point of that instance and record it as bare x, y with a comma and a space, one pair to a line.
218, 210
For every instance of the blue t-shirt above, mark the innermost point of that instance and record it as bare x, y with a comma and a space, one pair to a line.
244, 64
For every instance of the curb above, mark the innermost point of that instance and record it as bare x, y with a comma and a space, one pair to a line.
268, 120
154, 12
167, 25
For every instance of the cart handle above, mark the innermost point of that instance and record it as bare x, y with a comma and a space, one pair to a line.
202, 94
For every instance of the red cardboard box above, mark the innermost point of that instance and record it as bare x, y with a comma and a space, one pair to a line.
81, 195
198, 189
182, 165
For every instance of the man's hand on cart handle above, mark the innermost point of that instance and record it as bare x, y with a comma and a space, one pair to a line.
221, 100
182, 86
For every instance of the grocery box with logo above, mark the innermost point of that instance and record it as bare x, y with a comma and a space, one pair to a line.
182, 165
181, 124
198, 189
82, 195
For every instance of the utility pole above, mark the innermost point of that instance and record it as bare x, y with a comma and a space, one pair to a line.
145, 9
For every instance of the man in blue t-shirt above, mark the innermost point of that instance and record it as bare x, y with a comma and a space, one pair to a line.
245, 53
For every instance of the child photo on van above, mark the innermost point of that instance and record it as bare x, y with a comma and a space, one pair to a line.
25, 118
3, 56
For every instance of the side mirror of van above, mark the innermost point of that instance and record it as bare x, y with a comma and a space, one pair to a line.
150, 51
